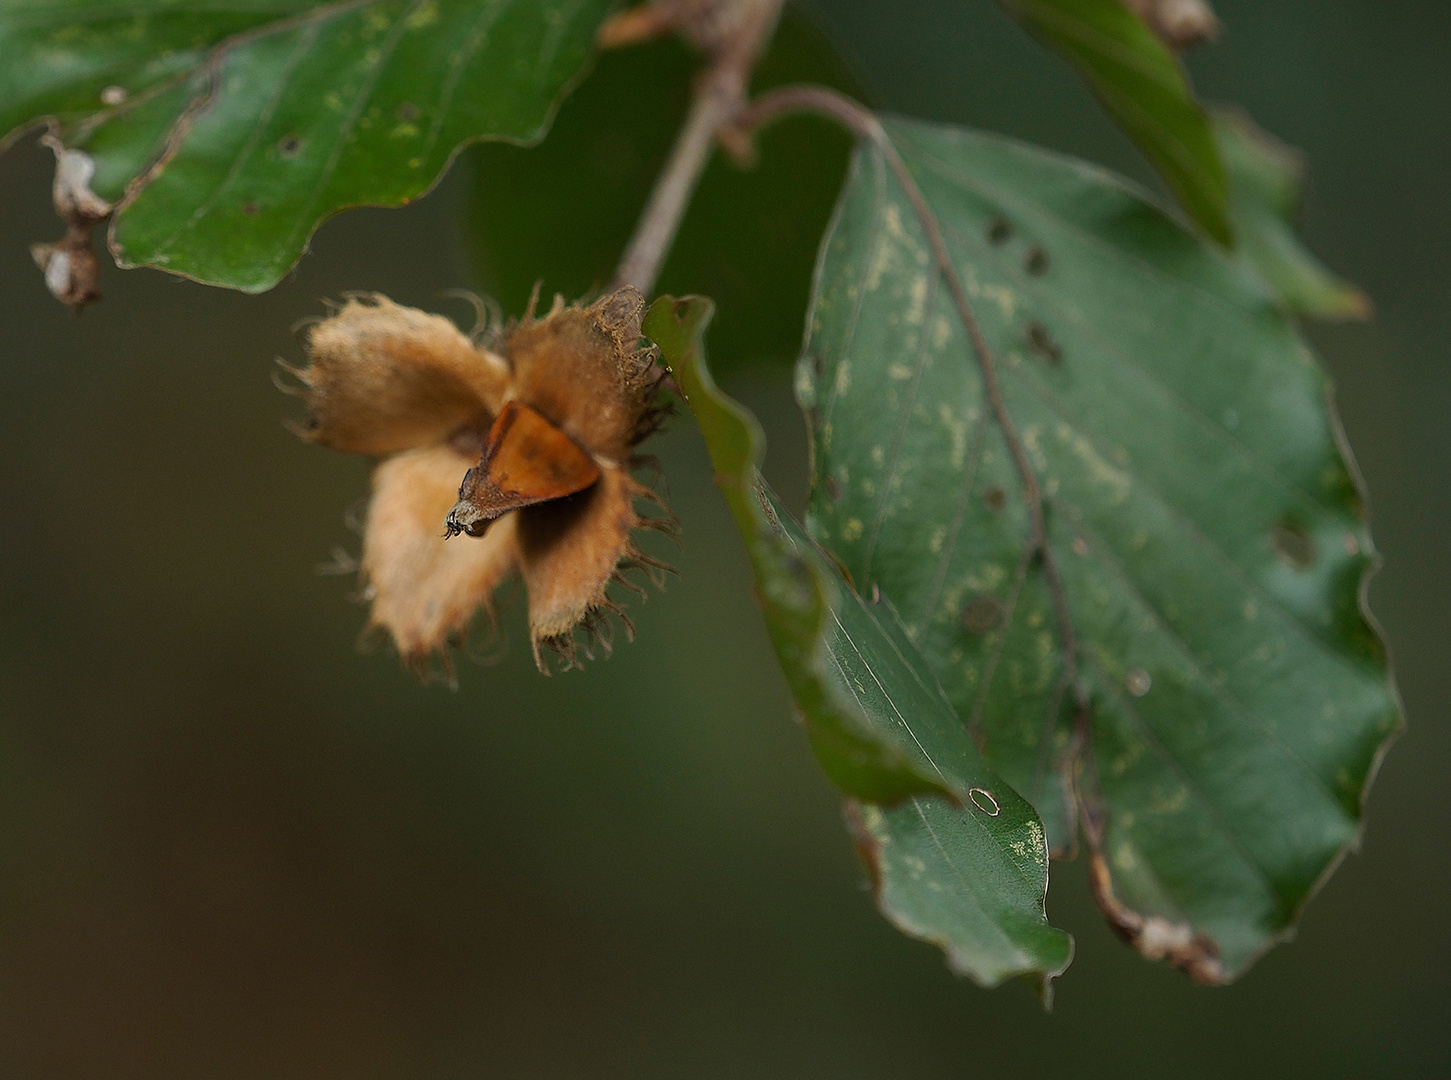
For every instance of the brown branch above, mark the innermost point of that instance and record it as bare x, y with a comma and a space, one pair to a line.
1156, 938
718, 97
711, 108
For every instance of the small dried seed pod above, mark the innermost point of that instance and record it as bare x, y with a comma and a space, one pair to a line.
549, 429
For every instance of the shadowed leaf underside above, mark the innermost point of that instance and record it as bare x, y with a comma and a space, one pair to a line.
955, 856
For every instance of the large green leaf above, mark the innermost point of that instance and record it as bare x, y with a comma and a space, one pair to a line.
1143, 87
1265, 181
226, 133
1201, 513
958, 858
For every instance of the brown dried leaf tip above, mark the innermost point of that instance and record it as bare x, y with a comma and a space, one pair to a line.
1179, 23
547, 411
710, 25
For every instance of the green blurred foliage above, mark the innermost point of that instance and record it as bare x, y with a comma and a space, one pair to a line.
232, 847
1266, 178
1142, 87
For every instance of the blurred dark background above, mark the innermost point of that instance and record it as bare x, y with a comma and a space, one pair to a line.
233, 846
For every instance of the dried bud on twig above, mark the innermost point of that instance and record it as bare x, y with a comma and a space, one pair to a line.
709, 25
71, 269
70, 265
549, 425
1180, 23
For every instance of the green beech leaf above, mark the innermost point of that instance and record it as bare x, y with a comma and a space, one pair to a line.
958, 858
1201, 512
1143, 87
1265, 182
227, 132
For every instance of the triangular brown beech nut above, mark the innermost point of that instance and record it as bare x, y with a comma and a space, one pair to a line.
583, 367
526, 460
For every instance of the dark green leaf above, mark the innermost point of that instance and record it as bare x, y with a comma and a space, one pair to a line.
1265, 181
1142, 86
1201, 513
228, 133
959, 858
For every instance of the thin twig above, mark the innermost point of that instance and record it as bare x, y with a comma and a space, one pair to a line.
655, 234
719, 96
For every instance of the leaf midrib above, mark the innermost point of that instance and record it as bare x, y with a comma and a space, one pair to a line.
1002, 195
1311, 635
901, 134
1172, 397
1103, 552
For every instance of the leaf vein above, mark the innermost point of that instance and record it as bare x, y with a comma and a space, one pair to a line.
984, 687
1171, 397
1184, 521
967, 884
360, 101
888, 697
905, 421
306, 40
1030, 209
552, 39
949, 548
458, 65
878, 236
1176, 640
1190, 782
